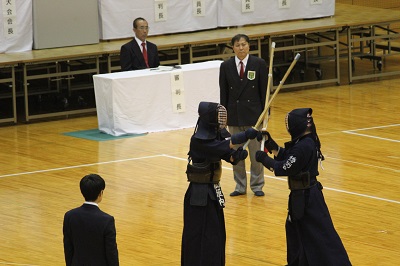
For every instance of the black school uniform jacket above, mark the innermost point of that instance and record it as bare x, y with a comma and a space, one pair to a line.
89, 237
243, 99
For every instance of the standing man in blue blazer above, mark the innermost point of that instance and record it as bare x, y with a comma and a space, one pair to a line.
243, 86
139, 53
89, 233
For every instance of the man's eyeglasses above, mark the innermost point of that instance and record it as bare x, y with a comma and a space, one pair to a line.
143, 28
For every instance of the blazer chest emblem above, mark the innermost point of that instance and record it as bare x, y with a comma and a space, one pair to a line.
251, 75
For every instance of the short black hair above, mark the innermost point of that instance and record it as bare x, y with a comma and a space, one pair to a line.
136, 20
237, 37
91, 185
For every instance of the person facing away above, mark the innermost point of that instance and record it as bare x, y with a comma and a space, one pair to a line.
311, 237
243, 92
89, 233
204, 236
139, 53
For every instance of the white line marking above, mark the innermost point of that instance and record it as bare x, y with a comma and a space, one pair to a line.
182, 159
371, 136
327, 188
368, 128
18, 264
363, 195
78, 166
364, 164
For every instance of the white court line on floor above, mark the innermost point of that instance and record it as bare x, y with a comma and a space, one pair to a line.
16, 264
79, 166
364, 164
368, 128
183, 159
327, 188
353, 131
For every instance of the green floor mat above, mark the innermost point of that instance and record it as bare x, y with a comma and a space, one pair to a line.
97, 135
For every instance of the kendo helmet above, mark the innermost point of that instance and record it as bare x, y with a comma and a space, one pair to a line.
298, 121
212, 118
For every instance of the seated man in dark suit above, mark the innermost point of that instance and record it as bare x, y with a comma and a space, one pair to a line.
89, 233
139, 53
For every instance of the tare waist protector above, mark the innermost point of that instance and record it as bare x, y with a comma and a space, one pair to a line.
204, 172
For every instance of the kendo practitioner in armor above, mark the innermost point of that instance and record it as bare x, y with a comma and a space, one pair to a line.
204, 236
311, 237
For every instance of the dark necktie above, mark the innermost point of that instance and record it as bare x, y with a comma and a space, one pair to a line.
146, 60
241, 74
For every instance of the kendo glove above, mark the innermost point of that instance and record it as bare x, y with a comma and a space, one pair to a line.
267, 161
242, 137
239, 155
251, 133
269, 143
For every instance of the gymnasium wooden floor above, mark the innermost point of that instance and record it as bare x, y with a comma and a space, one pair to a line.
358, 125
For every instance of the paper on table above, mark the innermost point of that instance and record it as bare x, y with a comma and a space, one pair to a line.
162, 68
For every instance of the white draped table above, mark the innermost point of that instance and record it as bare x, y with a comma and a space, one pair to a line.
136, 102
